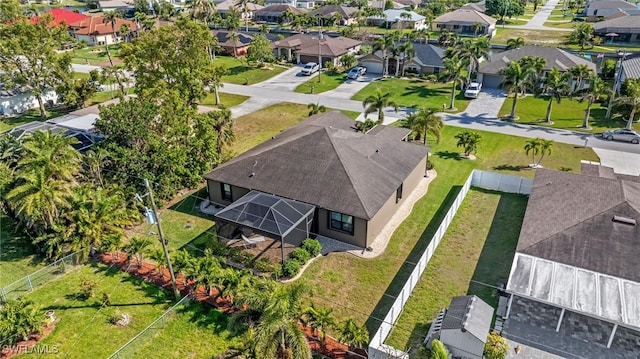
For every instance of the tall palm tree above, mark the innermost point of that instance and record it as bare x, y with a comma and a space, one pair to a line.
383, 44
514, 43
53, 153
579, 74
634, 103
597, 87
352, 334
556, 86
405, 51
223, 127
319, 319
202, 10
469, 141
234, 37
215, 80
453, 71
377, 103
243, 5
447, 38
516, 81
316, 108
477, 27
424, 122
111, 18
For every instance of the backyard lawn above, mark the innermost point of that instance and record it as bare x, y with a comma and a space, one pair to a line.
83, 329
17, 257
560, 24
93, 55
29, 116
479, 245
328, 81
227, 99
415, 93
568, 114
241, 74
531, 37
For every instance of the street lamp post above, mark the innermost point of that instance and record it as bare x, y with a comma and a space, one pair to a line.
319, 48
616, 83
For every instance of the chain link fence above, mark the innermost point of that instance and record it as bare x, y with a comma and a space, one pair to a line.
134, 344
26, 284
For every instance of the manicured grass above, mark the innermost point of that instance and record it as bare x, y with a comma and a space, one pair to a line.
361, 288
227, 99
415, 93
568, 114
240, 73
81, 75
83, 329
92, 55
29, 116
561, 25
197, 331
351, 114
537, 37
479, 245
17, 258
328, 81
508, 21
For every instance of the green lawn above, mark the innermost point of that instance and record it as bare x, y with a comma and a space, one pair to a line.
92, 55
531, 37
227, 99
328, 81
479, 245
507, 21
561, 25
29, 116
568, 114
351, 114
240, 73
83, 329
17, 258
365, 288
415, 93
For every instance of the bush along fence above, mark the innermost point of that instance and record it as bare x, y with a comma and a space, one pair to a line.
477, 178
42, 276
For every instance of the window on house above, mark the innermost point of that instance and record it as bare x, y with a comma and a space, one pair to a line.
399, 193
441, 26
456, 27
226, 192
436, 70
341, 222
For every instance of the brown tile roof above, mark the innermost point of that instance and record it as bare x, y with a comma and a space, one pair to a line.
325, 162
461, 16
95, 25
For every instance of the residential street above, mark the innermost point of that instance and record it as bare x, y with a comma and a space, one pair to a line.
538, 20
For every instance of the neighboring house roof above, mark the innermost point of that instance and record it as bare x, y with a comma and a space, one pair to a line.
471, 314
95, 25
307, 44
324, 161
479, 6
569, 219
608, 4
327, 11
393, 15
464, 16
554, 57
409, 2
62, 16
224, 39
631, 66
379, 4
228, 4
428, 55
278, 10
115, 4
624, 24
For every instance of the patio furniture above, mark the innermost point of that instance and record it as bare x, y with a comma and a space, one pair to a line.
253, 241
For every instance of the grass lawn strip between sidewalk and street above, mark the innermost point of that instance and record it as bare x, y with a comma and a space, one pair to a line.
241, 74
328, 81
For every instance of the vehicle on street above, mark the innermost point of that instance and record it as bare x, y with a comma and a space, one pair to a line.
310, 68
473, 90
622, 135
356, 72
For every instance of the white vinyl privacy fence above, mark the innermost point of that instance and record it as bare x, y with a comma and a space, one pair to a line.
477, 178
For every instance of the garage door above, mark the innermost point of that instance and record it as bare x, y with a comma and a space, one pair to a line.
373, 67
491, 81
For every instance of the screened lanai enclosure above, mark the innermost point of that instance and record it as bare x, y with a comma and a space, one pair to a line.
267, 215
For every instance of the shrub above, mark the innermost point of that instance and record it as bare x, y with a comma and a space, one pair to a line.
312, 246
263, 265
496, 347
218, 248
429, 165
290, 268
87, 289
277, 271
301, 255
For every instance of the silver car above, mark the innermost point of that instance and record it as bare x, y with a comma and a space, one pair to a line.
622, 135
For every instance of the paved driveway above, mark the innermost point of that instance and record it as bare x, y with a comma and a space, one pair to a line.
351, 87
287, 80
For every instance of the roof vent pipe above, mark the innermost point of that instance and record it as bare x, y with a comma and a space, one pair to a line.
624, 220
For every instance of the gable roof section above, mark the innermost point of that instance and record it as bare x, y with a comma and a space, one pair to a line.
224, 39
307, 44
62, 16
428, 55
391, 15
620, 24
95, 25
279, 9
325, 162
469, 313
609, 4
464, 16
225, 5
479, 6
569, 220
328, 11
631, 65
554, 57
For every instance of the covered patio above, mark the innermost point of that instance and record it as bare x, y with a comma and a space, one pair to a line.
257, 217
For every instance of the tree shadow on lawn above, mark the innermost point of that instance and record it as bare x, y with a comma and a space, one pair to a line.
448, 155
205, 316
423, 91
395, 287
509, 168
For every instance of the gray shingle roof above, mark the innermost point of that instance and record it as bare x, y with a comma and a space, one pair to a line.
390, 132
609, 4
569, 219
307, 44
619, 24
329, 10
325, 162
471, 314
461, 16
224, 39
554, 57
428, 55
479, 6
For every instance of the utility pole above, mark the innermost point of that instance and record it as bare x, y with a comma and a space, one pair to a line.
616, 83
163, 241
319, 48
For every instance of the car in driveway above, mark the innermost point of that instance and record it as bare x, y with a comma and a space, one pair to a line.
473, 90
622, 135
310, 68
356, 72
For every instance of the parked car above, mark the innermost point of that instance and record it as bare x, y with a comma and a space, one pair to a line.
356, 72
622, 135
473, 90
310, 68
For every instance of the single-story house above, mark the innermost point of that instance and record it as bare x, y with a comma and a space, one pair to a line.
230, 47
302, 4
62, 16
621, 29
328, 13
489, 71
480, 6
96, 31
223, 8
398, 19
115, 5
463, 327
16, 101
354, 181
303, 48
599, 9
276, 13
574, 283
409, 4
381, 4
630, 67
465, 22
427, 59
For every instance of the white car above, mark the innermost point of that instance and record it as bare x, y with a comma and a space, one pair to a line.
310, 68
356, 72
473, 90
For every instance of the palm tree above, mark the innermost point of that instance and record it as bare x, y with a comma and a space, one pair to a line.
405, 51
157, 255
378, 102
556, 86
424, 122
537, 146
515, 43
471, 52
202, 10
454, 72
53, 153
447, 38
235, 38
316, 108
383, 44
581, 34
366, 125
634, 103
517, 81
139, 248
469, 141
94, 162
319, 319
215, 80
243, 5
223, 127
579, 74
352, 334
597, 87
111, 18
477, 27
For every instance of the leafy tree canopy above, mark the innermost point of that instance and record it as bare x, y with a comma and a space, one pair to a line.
505, 8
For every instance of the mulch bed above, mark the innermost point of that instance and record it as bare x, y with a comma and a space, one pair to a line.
25, 346
148, 272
